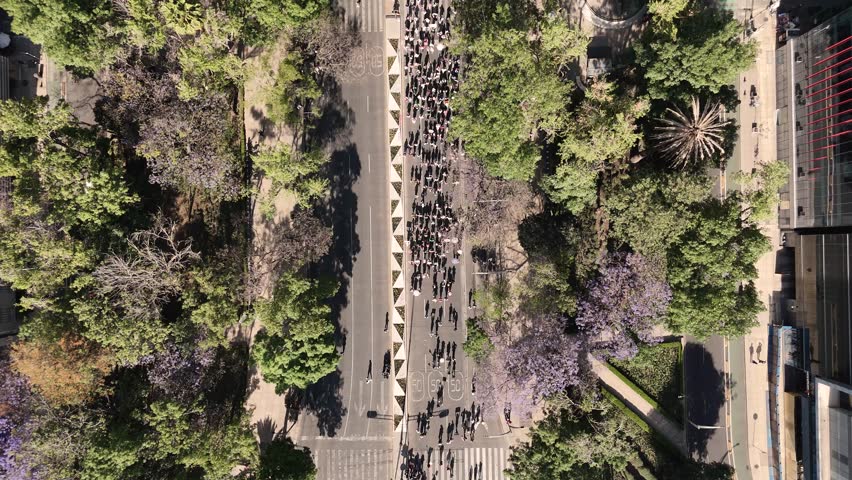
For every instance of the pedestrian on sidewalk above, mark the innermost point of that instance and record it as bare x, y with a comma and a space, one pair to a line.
370, 371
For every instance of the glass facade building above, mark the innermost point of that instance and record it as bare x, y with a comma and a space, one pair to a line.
814, 125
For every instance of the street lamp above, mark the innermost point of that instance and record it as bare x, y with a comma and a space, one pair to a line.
695, 425
704, 427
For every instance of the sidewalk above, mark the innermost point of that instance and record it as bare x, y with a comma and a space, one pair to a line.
268, 412
748, 376
660, 423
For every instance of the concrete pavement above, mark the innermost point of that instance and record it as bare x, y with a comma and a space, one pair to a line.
748, 370
485, 455
665, 427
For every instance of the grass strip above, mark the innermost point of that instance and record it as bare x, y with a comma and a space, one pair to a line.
640, 422
633, 386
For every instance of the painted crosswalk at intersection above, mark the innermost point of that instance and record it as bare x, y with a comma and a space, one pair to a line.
369, 16
354, 464
478, 463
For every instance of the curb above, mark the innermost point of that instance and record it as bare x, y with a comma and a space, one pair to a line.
397, 253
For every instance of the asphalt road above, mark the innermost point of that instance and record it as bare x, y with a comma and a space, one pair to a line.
484, 455
703, 367
344, 442
739, 411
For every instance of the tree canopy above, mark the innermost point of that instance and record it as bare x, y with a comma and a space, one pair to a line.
573, 444
297, 347
704, 53
511, 89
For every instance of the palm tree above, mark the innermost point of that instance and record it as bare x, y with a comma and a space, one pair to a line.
695, 137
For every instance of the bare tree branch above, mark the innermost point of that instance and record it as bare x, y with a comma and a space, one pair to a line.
144, 279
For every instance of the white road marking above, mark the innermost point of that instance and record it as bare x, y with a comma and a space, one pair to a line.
372, 317
369, 163
368, 104
351, 333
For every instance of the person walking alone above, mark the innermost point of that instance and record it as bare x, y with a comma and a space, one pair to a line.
370, 372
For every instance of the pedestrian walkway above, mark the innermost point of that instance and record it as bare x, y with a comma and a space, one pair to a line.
354, 463
369, 16
482, 463
655, 419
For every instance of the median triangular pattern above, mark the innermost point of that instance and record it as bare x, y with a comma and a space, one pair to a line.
392, 125
392, 105
400, 355
394, 176
397, 212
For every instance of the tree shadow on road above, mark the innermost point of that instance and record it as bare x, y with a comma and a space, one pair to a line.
705, 399
324, 399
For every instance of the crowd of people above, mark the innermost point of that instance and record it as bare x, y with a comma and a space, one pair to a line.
433, 230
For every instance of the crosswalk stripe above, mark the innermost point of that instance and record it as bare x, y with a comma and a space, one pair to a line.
369, 16
324, 471
488, 463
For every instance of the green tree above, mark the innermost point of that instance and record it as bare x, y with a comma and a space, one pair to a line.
597, 136
664, 14
562, 43
213, 303
510, 91
293, 89
74, 33
298, 359
172, 433
59, 167
67, 194
705, 53
603, 127
653, 210
144, 27
283, 461
711, 272
759, 189
573, 185
572, 444
126, 337
207, 61
113, 456
219, 450
477, 345
265, 18
297, 299
182, 16
299, 173
297, 348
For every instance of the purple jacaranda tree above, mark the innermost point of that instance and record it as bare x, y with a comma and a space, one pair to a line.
496, 388
544, 361
545, 357
622, 305
16, 402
